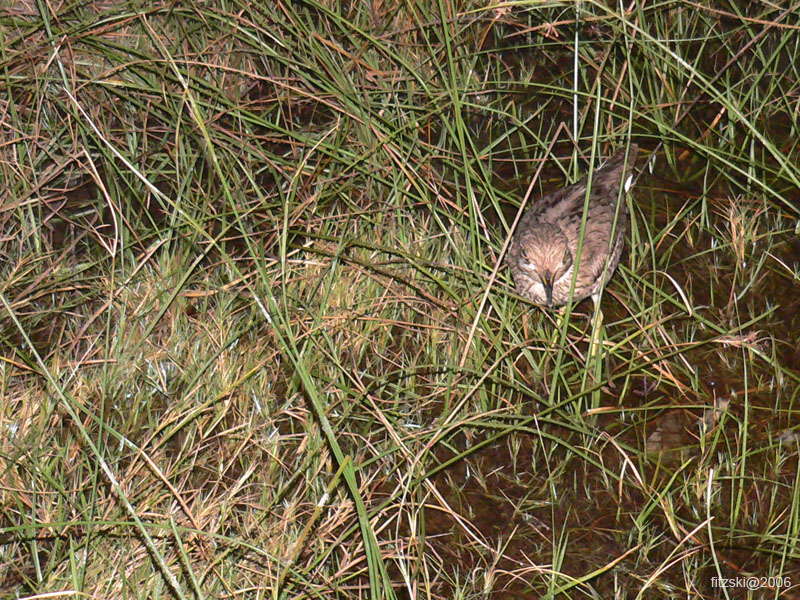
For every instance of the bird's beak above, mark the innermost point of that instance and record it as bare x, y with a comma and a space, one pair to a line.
547, 282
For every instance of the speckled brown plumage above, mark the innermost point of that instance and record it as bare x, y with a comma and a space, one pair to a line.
543, 253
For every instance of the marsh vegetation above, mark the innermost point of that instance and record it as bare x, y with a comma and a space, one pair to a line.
258, 339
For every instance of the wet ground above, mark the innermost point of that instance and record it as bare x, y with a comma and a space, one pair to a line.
716, 414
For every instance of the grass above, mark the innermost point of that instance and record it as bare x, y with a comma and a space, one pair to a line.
258, 340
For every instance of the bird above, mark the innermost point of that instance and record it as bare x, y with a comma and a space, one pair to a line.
543, 253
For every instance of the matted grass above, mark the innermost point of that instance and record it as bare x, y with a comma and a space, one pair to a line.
259, 342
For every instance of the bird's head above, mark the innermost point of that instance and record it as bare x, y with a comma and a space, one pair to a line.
545, 255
